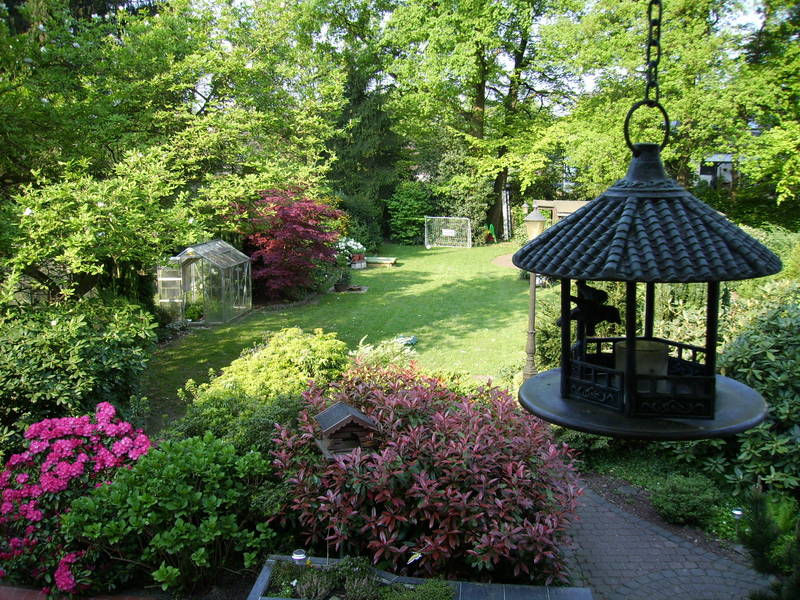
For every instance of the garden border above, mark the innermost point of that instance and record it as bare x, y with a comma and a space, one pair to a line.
464, 590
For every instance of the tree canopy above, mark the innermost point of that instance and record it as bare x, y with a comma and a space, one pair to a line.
130, 128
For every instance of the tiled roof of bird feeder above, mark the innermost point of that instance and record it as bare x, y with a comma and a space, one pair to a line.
646, 227
340, 414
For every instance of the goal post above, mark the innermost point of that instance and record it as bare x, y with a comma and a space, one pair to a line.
448, 232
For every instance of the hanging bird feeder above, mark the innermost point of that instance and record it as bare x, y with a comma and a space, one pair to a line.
644, 230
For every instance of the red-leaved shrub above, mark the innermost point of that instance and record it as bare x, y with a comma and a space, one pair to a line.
65, 458
468, 482
288, 239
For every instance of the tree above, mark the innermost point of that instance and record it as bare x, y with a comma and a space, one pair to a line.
366, 148
213, 103
769, 99
480, 71
67, 234
290, 239
605, 45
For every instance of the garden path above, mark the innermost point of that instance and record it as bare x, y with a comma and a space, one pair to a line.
622, 557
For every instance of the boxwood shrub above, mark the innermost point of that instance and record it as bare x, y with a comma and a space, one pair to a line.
459, 483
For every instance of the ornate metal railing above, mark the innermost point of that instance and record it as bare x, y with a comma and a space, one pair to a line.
686, 391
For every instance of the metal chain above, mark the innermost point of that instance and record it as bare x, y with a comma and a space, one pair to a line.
653, 58
652, 93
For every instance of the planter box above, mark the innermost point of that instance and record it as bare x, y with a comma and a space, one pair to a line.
463, 590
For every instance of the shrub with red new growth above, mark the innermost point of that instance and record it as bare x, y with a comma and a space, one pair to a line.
289, 239
469, 482
65, 458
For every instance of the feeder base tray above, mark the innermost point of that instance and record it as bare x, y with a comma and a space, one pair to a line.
738, 408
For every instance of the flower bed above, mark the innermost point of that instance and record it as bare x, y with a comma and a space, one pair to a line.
352, 578
467, 482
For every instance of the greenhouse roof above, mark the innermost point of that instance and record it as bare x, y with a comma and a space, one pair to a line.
217, 252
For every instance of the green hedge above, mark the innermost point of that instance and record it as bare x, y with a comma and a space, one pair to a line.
62, 360
408, 207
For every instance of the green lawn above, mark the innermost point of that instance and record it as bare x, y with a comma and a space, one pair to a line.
468, 314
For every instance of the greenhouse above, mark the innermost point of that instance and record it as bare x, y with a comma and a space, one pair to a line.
208, 283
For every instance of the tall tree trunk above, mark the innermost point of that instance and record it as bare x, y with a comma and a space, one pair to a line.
510, 108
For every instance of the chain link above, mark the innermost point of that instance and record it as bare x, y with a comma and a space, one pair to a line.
653, 51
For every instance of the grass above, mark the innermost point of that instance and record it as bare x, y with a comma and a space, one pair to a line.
468, 314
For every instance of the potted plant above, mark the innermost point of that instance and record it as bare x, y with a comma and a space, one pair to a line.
353, 249
343, 282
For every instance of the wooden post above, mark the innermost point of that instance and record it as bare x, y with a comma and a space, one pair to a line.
630, 347
566, 361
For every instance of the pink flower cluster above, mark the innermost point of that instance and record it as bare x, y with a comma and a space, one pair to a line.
65, 458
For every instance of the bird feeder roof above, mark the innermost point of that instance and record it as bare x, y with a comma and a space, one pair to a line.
217, 252
340, 414
646, 227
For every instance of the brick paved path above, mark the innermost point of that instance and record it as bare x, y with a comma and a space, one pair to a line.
622, 557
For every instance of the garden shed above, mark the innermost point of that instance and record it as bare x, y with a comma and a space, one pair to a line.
208, 282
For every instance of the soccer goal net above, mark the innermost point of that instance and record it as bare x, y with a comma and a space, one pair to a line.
448, 232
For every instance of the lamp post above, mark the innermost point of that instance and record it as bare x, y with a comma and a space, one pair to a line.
534, 226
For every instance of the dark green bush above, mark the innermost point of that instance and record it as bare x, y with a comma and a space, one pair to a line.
180, 515
247, 423
408, 206
686, 500
766, 356
62, 360
770, 530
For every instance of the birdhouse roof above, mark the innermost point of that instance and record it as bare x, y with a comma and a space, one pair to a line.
340, 414
646, 227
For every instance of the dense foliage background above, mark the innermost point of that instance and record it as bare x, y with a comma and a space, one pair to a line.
131, 129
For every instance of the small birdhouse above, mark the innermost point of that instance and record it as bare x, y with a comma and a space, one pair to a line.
343, 429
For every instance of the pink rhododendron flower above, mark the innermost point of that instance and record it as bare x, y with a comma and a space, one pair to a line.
38, 446
104, 412
64, 578
38, 484
122, 446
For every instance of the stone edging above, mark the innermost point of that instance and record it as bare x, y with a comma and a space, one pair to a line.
463, 590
